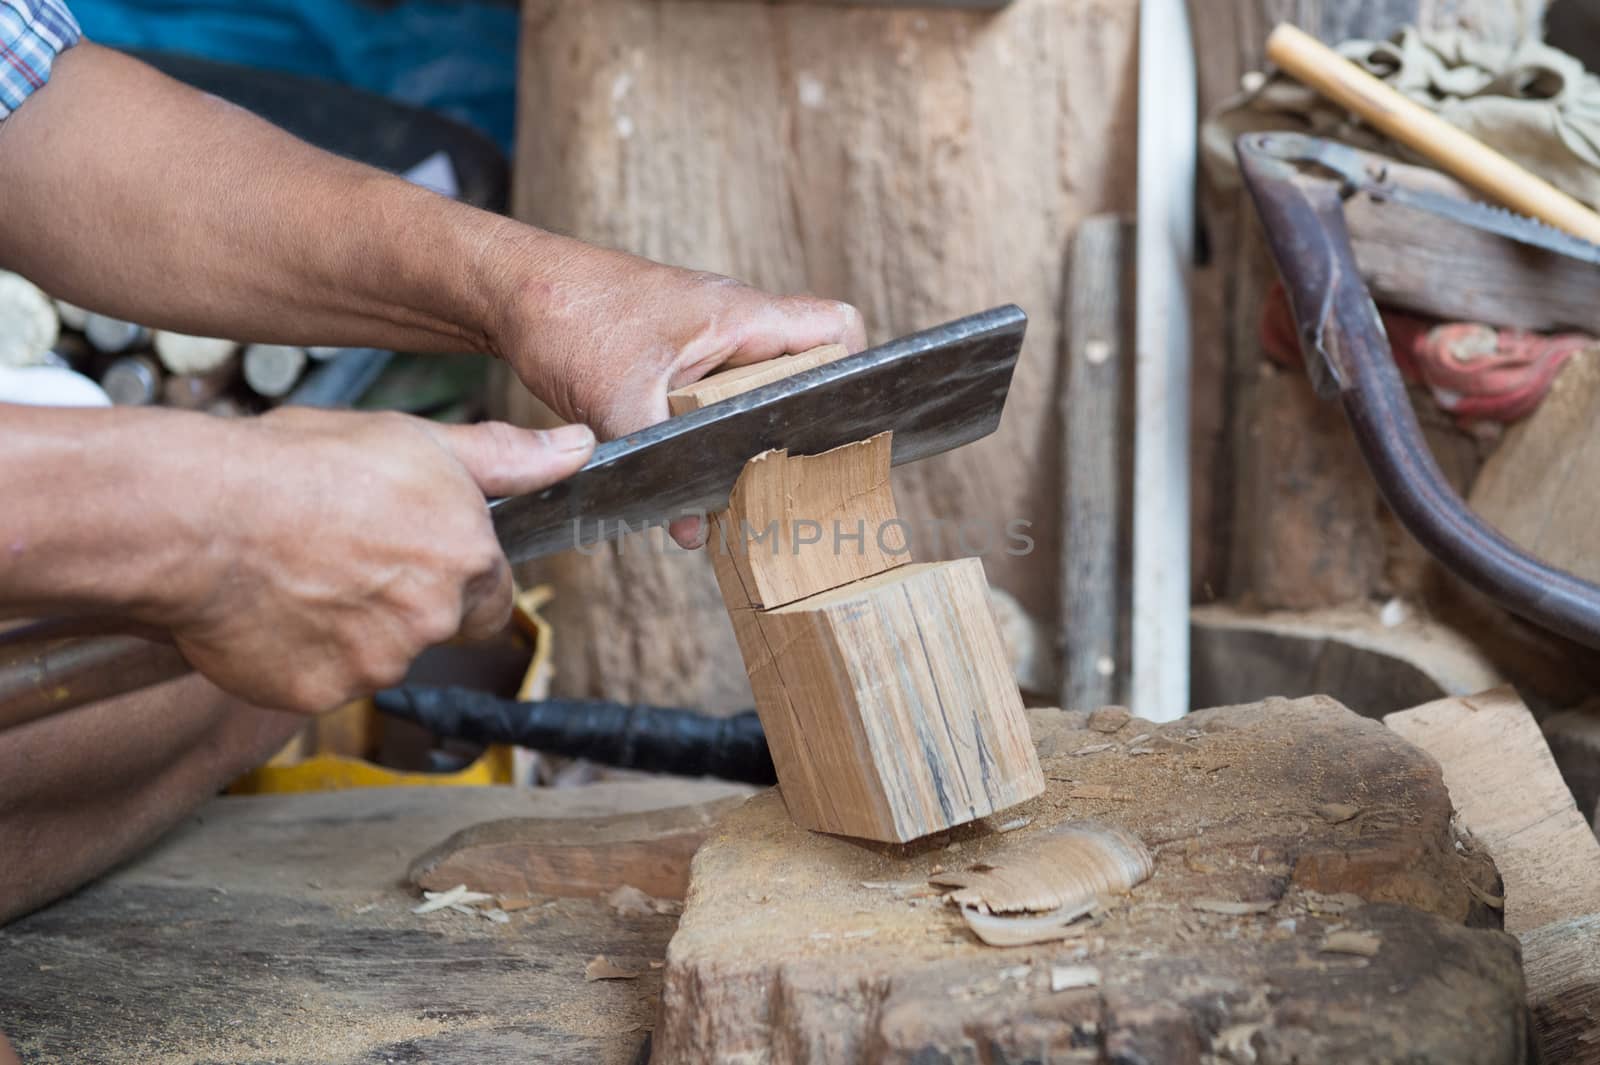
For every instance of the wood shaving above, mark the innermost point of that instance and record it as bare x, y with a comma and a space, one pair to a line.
1071, 865
1094, 748
998, 931
1233, 907
1348, 941
1014, 824
629, 901
456, 896
512, 905
601, 967
1068, 977
1336, 813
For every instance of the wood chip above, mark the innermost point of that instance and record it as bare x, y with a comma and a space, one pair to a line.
456, 896
1070, 866
1109, 718
629, 901
1014, 824
998, 931
1233, 907
1067, 977
1094, 748
1348, 941
512, 905
1336, 813
601, 967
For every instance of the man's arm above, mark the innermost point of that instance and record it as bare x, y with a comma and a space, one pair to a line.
128, 192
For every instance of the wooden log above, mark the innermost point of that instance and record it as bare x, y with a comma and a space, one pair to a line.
574, 857
876, 155
191, 355
1094, 458
1510, 796
1283, 834
271, 370
112, 336
1371, 664
28, 321
132, 381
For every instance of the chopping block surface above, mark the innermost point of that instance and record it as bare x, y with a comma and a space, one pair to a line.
1310, 901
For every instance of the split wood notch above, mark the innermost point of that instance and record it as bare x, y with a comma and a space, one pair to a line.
883, 686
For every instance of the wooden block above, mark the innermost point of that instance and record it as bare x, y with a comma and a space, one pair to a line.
1510, 796
1509, 792
798, 946
889, 704
1574, 739
729, 383
574, 857
799, 525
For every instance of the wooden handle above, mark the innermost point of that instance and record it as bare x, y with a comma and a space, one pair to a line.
55, 666
1424, 132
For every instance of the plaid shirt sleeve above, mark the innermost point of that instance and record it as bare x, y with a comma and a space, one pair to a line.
32, 34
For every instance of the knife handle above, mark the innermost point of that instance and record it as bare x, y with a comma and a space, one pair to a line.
52, 666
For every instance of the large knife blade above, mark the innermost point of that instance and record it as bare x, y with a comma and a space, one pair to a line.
937, 389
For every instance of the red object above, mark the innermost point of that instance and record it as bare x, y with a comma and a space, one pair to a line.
1473, 371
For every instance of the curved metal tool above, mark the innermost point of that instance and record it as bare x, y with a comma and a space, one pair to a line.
1299, 184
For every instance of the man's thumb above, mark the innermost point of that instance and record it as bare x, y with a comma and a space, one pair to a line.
507, 461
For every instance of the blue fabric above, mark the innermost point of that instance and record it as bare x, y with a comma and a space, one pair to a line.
459, 59
32, 34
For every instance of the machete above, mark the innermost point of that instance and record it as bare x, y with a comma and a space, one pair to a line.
936, 390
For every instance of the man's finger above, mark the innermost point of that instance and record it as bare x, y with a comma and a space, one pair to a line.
486, 603
507, 461
689, 532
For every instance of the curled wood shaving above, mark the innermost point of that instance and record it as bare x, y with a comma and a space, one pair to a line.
1348, 941
1015, 931
601, 967
456, 896
1068, 867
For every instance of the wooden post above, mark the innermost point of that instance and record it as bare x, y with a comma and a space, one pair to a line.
883, 687
921, 163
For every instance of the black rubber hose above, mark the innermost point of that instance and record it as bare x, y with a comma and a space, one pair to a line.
652, 738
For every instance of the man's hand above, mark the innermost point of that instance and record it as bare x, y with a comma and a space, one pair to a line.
350, 544
602, 336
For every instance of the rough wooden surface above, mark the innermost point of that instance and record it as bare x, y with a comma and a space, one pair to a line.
574, 857
798, 947
1509, 795
1540, 487
1095, 549
277, 929
1350, 654
874, 155
889, 704
797, 525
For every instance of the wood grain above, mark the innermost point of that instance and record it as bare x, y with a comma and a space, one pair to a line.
846, 954
279, 929
896, 693
1097, 466
1510, 796
574, 857
878, 156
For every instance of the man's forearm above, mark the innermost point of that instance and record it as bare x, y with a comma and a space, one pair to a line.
133, 194
107, 511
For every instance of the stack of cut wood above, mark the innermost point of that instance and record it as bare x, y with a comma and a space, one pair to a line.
133, 365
